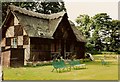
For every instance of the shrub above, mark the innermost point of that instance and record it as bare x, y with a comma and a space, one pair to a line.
29, 64
44, 63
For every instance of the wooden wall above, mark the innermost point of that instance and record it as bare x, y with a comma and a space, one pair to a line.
6, 59
80, 50
69, 44
17, 57
15, 30
39, 49
13, 57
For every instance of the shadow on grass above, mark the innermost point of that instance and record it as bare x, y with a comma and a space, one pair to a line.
79, 68
61, 70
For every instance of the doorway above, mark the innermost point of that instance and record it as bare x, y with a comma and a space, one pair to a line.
62, 48
17, 57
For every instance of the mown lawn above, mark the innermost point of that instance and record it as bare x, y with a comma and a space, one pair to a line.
94, 71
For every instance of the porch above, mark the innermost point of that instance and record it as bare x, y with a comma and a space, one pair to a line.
67, 55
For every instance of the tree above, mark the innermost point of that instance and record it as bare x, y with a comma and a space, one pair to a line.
84, 23
27, 5
97, 30
115, 36
101, 33
50, 7
41, 6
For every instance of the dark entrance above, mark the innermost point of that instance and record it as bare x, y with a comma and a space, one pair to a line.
65, 49
68, 46
17, 57
62, 48
13, 57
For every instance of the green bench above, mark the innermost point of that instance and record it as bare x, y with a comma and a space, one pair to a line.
59, 65
76, 64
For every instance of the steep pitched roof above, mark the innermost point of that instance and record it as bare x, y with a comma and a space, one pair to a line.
77, 32
35, 14
40, 25
37, 24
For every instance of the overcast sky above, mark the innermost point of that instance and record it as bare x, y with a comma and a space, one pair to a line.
91, 7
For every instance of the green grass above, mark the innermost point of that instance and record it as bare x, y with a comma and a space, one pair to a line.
94, 71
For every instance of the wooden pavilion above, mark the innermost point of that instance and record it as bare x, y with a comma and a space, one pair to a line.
30, 36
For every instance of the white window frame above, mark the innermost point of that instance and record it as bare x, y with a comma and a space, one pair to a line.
14, 42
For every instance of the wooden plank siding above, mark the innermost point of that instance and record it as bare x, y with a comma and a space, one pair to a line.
66, 39
13, 57
6, 59
26, 53
40, 49
15, 30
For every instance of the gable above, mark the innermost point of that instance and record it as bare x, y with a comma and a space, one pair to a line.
64, 30
9, 21
12, 27
67, 30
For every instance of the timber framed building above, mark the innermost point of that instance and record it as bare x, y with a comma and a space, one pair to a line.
30, 36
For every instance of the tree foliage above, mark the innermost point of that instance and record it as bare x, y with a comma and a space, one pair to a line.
103, 33
84, 22
115, 36
40, 6
102, 23
50, 7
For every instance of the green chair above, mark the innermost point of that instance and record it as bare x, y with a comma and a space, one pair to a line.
59, 65
76, 64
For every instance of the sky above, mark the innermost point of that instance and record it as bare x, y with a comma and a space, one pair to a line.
91, 7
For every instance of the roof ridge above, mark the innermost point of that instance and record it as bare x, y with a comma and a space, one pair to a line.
35, 14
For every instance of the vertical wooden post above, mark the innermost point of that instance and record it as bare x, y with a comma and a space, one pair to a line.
64, 49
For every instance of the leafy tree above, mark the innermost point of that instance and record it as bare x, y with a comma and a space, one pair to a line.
50, 7
27, 5
84, 23
41, 6
115, 36
101, 33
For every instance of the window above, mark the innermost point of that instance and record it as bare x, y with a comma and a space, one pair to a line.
14, 42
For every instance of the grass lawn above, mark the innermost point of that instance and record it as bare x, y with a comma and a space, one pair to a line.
94, 71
